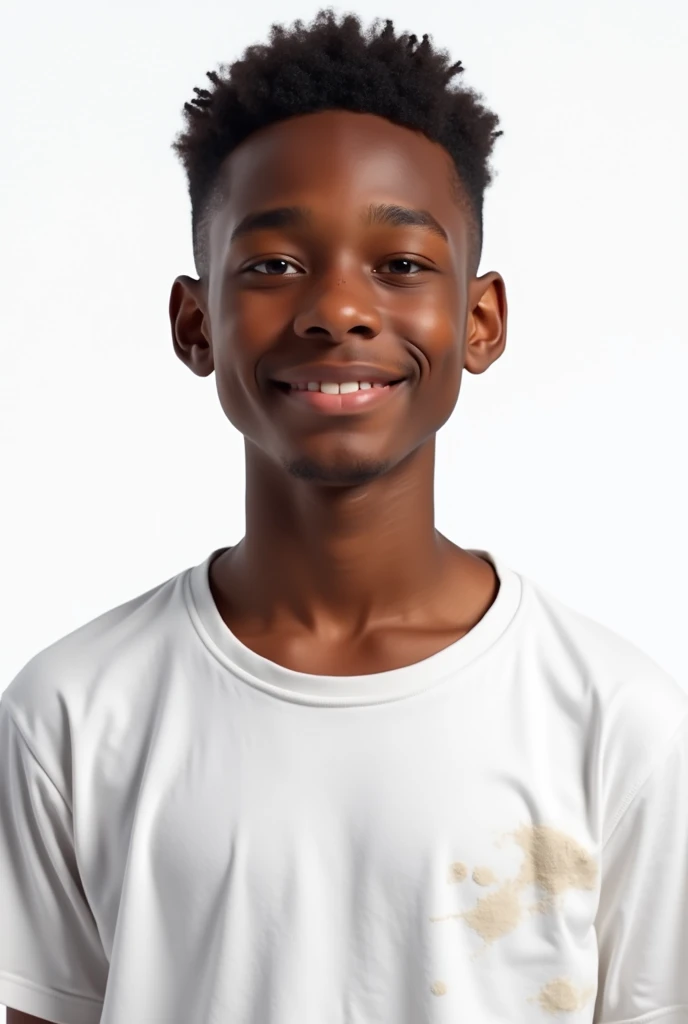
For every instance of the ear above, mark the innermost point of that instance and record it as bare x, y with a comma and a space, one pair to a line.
486, 322
191, 325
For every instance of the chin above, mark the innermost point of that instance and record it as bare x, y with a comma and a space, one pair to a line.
349, 473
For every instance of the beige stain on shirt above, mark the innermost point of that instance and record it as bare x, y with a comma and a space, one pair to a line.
561, 995
484, 876
457, 872
552, 860
438, 988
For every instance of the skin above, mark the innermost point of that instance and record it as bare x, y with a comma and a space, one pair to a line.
341, 570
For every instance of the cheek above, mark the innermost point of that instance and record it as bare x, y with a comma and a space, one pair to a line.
447, 372
233, 379
436, 324
243, 338
438, 337
448, 363
442, 350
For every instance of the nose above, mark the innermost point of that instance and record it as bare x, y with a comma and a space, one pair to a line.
337, 308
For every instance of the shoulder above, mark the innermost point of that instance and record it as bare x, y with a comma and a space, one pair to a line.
621, 679
632, 711
71, 682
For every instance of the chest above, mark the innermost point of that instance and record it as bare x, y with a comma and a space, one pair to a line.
378, 859
457, 815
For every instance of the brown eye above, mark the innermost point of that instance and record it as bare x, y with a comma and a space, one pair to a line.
404, 263
272, 263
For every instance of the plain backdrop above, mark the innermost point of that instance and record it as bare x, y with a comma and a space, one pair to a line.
567, 457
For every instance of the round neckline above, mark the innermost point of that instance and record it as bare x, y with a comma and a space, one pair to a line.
345, 691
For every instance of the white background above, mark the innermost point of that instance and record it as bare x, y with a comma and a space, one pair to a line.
567, 457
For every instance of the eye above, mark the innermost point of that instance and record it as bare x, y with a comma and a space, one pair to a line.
267, 263
406, 262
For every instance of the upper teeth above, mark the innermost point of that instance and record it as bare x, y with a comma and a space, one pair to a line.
336, 389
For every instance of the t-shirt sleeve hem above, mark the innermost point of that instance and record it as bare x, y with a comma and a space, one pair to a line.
666, 1015
61, 1007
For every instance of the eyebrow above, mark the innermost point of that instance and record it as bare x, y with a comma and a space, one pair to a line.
377, 213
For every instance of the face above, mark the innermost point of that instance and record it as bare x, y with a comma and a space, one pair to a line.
298, 299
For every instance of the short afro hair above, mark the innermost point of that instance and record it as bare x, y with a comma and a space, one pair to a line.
328, 66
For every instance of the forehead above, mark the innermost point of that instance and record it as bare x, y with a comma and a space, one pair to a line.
335, 161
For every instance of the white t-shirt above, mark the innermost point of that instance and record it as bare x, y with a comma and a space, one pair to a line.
192, 833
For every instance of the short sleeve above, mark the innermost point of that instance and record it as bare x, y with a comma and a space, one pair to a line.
52, 964
642, 919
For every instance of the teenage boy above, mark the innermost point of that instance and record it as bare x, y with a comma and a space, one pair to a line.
343, 771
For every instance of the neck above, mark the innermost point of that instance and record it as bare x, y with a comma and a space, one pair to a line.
351, 556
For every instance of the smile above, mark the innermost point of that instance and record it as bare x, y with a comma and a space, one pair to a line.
339, 398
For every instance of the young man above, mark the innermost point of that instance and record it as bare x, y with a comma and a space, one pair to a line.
343, 771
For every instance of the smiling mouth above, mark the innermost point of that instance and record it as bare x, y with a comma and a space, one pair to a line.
326, 388
312, 397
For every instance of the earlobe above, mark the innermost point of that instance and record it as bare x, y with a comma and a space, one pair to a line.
190, 336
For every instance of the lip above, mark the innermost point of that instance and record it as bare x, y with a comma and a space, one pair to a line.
338, 405
339, 373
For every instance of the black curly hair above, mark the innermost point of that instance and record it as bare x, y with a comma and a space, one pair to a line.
330, 65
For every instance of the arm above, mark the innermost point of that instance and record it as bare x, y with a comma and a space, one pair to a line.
642, 921
52, 964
